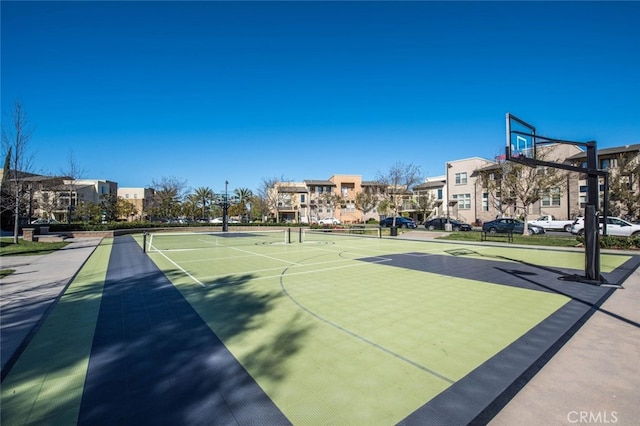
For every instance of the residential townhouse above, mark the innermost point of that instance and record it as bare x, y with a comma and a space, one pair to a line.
457, 193
621, 162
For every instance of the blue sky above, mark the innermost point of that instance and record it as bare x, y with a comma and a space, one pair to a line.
246, 91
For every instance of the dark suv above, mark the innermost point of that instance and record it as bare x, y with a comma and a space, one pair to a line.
401, 222
441, 222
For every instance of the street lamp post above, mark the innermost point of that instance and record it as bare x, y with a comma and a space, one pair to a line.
447, 226
225, 208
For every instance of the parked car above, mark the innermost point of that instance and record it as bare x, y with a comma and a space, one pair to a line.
44, 222
217, 220
440, 222
615, 226
329, 221
401, 222
507, 224
549, 222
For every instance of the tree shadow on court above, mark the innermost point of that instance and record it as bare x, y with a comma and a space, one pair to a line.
154, 358
268, 360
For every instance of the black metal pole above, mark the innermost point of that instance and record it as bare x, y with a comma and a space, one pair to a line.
225, 209
592, 232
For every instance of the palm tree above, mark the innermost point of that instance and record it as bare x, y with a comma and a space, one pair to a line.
244, 196
203, 197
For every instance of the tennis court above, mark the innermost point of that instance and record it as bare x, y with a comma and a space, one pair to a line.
339, 328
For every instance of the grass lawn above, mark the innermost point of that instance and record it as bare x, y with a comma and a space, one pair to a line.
27, 248
534, 240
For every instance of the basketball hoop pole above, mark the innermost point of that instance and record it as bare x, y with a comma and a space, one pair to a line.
591, 228
592, 234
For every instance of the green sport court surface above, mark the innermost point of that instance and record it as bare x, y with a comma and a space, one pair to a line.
352, 330
338, 329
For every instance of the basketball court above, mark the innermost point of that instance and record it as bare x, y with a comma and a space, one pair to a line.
316, 328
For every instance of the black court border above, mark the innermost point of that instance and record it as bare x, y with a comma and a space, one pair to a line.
479, 396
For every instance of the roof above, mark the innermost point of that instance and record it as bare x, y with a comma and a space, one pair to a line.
608, 151
319, 182
292, 189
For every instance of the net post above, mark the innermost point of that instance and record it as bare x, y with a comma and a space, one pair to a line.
379, 232
144, 241
299, 235
288, 236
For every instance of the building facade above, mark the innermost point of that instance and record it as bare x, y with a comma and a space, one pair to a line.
140, 198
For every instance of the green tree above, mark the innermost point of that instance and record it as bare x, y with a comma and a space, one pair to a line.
109, 207
245, 196
624, 188
125, 209
88, 212
203, 198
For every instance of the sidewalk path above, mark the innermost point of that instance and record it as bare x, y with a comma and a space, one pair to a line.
27, 294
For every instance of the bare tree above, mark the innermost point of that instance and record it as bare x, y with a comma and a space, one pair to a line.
397, 183
520, 186
268, 197
169, 193
366, 201
424, 203
15, 146
71, 174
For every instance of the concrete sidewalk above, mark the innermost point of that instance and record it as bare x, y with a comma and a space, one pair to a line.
594, 377
30, 292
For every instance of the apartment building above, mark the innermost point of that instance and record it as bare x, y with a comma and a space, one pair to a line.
623, 165
432, 194
315, 199
140, 198
466, 200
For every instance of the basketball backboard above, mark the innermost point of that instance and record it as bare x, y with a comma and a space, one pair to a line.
521, 139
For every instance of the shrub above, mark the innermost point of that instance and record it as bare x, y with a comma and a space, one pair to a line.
614, 242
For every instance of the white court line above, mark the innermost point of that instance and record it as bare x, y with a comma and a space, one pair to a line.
316, 271
301, 265
264, 255
181, 268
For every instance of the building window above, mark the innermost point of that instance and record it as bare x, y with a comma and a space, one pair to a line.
464, 201
440, 194
302, 198
126, 195
461, 178
485, 202
552, 198
607, 163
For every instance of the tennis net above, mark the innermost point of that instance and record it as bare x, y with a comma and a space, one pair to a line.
325, 235
160, 241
